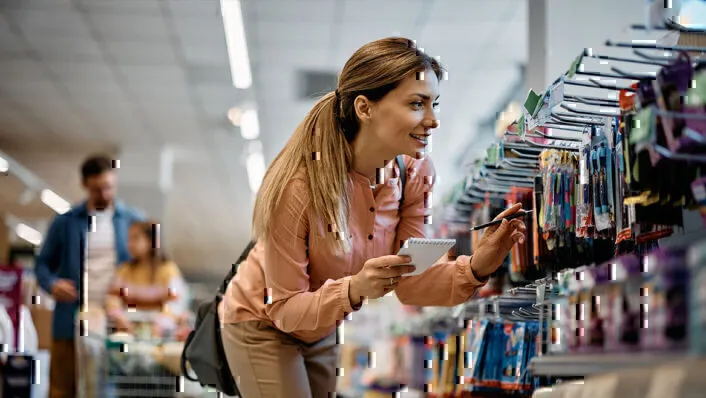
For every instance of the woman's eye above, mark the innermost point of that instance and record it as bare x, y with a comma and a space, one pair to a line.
418, 104
435, 105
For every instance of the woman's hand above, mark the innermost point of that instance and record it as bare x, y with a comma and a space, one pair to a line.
496, 242
378, 277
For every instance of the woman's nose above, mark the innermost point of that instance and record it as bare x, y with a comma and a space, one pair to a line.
431, 123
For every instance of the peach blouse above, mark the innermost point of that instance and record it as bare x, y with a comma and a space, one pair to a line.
293, 282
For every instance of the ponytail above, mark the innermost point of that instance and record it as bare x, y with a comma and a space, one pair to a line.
319, 145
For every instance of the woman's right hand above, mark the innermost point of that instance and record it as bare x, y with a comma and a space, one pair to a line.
378, 277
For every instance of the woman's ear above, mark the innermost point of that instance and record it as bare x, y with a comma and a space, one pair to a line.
363, 108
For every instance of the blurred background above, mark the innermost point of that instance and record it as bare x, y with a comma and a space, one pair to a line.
196, 97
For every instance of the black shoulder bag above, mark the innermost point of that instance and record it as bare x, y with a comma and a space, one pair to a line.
203, 349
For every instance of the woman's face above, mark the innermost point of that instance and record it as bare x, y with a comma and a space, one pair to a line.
138, 244
402, 120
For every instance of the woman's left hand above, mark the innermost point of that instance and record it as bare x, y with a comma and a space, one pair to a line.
496, 242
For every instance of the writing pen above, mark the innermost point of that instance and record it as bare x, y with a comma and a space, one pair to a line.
497, 222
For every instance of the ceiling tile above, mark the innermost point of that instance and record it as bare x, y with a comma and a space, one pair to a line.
287, 11
205, 55
8, 41
64, 46
389, 10
220, 97
130, 27
21, 70
154, 95
296, 33
464, 11
203, 40
293, 56
136, 53
150, 76
47, 4
194, 9
76, 74
458, 33
143, 7
50, 22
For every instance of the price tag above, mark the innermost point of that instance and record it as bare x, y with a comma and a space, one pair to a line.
608, 130
556, 94
583, 172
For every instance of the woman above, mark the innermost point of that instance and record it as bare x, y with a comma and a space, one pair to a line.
327, 226
147, 283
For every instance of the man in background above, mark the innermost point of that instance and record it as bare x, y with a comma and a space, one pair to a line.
83, 245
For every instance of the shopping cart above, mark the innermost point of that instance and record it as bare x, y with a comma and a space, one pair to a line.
112, 366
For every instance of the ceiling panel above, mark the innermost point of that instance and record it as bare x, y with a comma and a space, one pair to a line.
185, 9
217, 99
28, 92
381, 11
64, 46
50, 22
132, 27
79, 74
155, 96
471, 12
147, 53
122, 6
302, 34
154, 76
94, 91
47, 4
8, 41
309, 11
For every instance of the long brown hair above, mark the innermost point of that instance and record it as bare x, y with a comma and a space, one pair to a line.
321, 143
151, 230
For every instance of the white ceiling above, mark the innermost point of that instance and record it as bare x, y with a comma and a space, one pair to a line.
80, 75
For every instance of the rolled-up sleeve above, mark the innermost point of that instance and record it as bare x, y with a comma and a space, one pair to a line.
448, 283
290, 303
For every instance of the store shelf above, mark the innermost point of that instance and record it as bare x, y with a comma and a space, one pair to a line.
591, 364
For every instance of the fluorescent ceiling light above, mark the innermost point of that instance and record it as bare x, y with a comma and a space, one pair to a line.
236, 43
256, 169
235, 115
56, 202
4, 165
29, 234
249, 125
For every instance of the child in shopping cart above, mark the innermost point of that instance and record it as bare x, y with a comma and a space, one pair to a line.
148, 285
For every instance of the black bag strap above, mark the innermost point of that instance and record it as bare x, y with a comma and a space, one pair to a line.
403, 176
184, 371
222, 289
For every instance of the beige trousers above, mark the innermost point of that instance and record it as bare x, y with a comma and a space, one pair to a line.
267, 363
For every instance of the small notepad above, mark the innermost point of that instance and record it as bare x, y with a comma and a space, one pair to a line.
425, 252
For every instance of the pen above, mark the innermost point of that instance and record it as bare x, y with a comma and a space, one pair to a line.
497, 222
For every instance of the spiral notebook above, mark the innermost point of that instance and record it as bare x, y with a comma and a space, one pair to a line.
425, 252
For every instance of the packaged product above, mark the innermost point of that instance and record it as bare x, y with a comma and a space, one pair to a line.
513, 358
667, 293
625, 330
573, 341
599, 307
561, 315
587, 307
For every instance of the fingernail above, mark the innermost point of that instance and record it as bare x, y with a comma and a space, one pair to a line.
522, 240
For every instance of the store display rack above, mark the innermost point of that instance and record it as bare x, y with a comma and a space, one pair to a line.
580, 365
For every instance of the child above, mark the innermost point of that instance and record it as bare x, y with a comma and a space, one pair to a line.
147, 283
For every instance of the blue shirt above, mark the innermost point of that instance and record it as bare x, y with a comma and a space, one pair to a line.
62, 256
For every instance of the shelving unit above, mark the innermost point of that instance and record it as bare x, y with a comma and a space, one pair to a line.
581, 365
